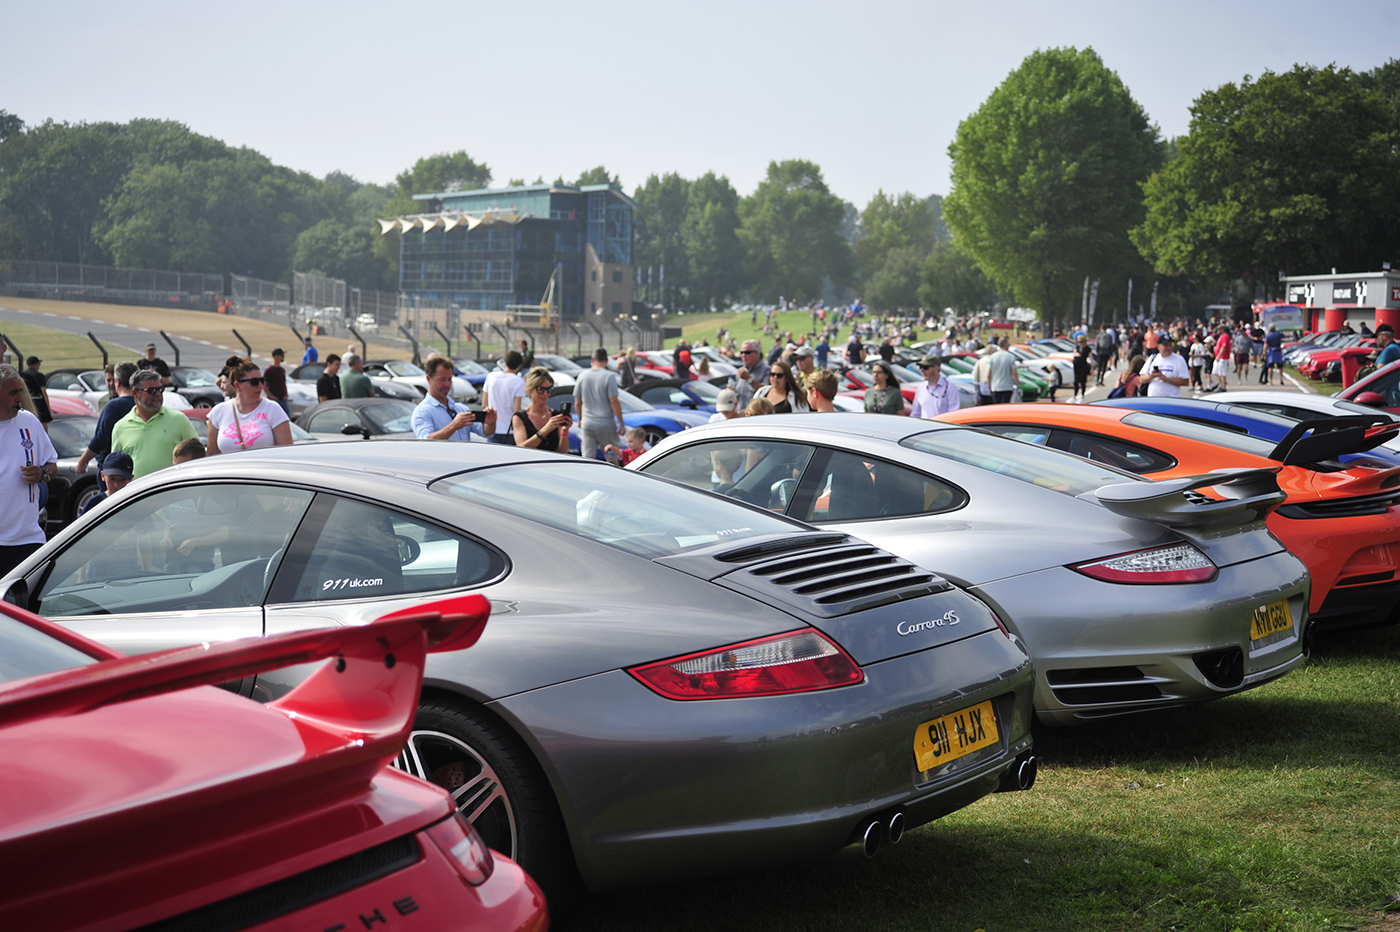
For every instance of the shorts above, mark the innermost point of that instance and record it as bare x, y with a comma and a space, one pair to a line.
1241, 359
1221, 367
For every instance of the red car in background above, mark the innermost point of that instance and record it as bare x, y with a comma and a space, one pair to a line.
135, 794
1314, 363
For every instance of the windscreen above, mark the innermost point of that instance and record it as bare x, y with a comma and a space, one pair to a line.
628, 510
1026, 462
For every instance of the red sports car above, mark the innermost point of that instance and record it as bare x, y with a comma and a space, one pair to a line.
133, 794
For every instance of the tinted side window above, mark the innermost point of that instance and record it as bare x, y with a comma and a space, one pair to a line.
853, 488
352, 550
760, 472
183, 549
1129, 457
1029, 433
657, 396
332, 420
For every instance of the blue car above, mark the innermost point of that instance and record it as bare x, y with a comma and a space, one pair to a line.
1237, 418
687, 394
657, 424
471, 370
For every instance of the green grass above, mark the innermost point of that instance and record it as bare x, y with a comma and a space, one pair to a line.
60, 350
1278, 809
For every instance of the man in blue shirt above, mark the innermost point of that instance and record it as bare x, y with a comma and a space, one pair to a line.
438, 417
310, 355
1390, 350
116, 408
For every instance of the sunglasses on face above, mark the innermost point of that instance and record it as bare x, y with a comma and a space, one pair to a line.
546, 389
149, 391
258, 381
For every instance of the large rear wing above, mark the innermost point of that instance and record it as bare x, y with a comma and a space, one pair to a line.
1249, 495
1327, 438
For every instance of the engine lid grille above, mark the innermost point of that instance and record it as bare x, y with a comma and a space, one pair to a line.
831, 581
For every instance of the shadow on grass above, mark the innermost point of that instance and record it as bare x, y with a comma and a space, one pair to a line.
955, 878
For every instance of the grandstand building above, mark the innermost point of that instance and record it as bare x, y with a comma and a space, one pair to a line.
494, 248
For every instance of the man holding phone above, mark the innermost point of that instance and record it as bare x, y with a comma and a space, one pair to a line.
1167, 371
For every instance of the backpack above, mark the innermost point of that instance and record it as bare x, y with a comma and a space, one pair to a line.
1104, 343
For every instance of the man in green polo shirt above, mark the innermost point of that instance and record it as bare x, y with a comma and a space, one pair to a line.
151, 431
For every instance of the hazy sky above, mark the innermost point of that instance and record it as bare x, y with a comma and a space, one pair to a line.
872, 91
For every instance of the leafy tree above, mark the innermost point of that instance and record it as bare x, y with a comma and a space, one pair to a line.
940, 229
1385, 80
340, 250
895, 284
1294, 172
890, 223
951, 279
792, 233
54, 179
710, 235
662, 204
1046, 178
10, 125
446, 171
598, 175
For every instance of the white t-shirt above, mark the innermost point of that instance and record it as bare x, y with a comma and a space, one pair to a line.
256, 426
501, 389
1174, 366
22, 443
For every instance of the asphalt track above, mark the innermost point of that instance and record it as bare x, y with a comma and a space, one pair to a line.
118, 337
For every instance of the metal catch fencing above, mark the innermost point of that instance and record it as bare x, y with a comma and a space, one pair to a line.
73, 281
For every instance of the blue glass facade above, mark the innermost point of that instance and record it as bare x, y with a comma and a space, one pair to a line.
500, 263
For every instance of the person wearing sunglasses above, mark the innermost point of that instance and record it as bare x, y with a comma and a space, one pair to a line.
150, 431
537, 427
782, 390
248, 420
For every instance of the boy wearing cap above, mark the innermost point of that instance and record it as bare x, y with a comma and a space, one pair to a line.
116, 472
726, 406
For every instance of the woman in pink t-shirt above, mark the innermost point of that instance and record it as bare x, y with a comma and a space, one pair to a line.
247, 421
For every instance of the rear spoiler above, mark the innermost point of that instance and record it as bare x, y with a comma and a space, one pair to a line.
1327, 438
370, 691
1249, 495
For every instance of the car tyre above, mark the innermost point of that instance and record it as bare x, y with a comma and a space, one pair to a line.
496, 783
654, 435
80, 497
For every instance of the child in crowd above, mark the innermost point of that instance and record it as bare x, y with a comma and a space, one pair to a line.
636, 446
186, 450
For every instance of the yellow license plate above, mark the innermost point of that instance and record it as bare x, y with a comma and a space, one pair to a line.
954, 735
1269, 620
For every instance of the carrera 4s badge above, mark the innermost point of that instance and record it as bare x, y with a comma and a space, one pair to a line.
949, 619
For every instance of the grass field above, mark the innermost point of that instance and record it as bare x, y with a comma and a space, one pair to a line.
1278, 809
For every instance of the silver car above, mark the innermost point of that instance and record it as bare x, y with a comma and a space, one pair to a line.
1130, 594
672, 683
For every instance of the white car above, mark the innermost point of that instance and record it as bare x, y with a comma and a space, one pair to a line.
406, 373
1302, 407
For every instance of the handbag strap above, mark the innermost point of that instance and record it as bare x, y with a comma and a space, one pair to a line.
233, 405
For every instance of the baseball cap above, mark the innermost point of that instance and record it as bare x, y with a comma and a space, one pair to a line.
279, 352
804, 351
117, 464
33, 361
150, 346
727, 400
1383, 328
306, 339
930, 361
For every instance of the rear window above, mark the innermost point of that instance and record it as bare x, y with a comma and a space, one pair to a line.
1204, 433
644, 516
1026, 462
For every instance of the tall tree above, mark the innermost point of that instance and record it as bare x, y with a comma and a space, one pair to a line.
340, 250
1047, 175
890, 223
662, 204
446, 171
895, 284
1295, 172
950, 279
597, 175
711, 237
792, 232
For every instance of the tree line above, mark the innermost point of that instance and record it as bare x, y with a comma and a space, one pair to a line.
1058, 176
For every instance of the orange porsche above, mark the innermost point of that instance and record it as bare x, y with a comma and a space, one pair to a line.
1343, 522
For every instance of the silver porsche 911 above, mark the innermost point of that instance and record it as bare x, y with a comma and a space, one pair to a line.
672, 683
1130, 594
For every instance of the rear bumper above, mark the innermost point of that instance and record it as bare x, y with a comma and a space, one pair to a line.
1358, 607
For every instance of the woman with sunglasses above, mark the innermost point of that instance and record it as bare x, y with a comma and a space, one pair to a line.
885, 396
247, 421
537, 427
782, 390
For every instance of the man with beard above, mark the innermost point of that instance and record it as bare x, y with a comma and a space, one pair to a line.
151, 431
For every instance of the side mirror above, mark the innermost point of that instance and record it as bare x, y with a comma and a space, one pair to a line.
1370, 399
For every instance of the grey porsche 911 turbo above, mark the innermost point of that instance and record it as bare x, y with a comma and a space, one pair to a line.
671, 683
1130, 594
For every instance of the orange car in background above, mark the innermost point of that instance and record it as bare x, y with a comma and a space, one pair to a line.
1343, 522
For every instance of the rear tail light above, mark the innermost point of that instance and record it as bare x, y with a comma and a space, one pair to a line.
796, 662
1175, 563
464, 848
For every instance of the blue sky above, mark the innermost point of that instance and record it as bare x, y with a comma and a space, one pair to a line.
873, 92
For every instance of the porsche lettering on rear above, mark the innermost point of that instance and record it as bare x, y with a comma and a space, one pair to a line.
949, 619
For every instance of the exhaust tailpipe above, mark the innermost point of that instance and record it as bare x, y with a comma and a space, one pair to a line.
1020, 775
894, 828
870, 838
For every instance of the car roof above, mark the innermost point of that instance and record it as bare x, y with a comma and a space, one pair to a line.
890, 427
